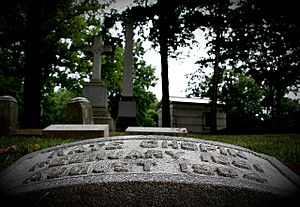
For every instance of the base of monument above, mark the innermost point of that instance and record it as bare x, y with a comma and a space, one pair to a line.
105, 120
122, 123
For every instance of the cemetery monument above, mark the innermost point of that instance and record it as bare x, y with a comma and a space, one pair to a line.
95, 91
127, 104
148, 171
8, 115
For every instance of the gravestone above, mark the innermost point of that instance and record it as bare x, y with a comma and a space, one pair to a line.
127, 104
95, 91
76, 131
149, 171
156, 131
8, 115
79, 111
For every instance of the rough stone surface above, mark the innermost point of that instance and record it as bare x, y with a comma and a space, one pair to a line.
149, 171
80, 111
76, 131
8, 115
157, 131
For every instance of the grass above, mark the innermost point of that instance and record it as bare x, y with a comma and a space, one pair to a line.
285, 147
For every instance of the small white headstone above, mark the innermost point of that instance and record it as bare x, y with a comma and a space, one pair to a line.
157, 131
76, 131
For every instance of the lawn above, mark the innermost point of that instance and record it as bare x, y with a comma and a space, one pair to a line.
285, 147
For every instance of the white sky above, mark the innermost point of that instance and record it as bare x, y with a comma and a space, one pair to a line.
178, 68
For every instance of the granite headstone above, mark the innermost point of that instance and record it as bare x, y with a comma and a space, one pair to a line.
8, 115
79, 111
149, 171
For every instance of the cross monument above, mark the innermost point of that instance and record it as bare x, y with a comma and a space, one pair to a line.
95, 91
97, 49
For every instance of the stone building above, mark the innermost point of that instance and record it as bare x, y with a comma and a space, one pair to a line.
193, 114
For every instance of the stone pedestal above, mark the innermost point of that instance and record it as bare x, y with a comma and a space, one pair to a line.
8, 115
96, 93
126, 113
80, 111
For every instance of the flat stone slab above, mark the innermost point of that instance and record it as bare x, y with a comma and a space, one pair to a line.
76, 131
149, 171
156, 131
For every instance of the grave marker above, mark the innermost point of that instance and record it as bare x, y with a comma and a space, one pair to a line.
156, 131
8, 115
76, 131
127, 104
149, 171
79, 111
95, 91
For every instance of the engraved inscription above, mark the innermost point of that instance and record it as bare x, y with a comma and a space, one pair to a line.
147, 156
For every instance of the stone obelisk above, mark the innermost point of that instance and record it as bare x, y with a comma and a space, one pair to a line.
127, 104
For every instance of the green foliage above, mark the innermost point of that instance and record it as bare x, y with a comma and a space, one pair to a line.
55, 106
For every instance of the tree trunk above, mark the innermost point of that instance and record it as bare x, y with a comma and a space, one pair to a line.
163, 41
214, 90
33, 67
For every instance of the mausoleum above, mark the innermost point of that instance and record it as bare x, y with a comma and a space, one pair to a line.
193, 114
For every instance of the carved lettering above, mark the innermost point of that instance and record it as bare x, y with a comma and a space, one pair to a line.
100, 168
134, 154
101, 155
79, 149
173, 144
56, 172
60, 152
202, 169
147, 155
207, 148
58, 161
76, 159
34, 178
183, 167
79, 169
115, 155
223, 151
227, 172
258, 168
241, 164
220, 160
205, 157
39, 165
255, 177
114, 145
121, 167
147, 164
189, 146
153, 154
174, 155
241, 155
149, 144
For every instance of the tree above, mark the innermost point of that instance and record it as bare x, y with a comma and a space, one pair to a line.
264, 42
167, 33
51, 33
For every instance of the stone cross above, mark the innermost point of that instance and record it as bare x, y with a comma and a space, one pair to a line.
127, 90
97, 49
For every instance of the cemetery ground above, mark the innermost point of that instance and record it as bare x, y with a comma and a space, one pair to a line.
284, 147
